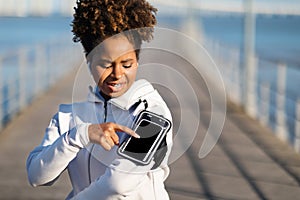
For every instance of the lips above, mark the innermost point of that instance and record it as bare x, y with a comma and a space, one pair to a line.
115, 86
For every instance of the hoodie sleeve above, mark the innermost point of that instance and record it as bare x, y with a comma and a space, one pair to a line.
123, 178
47, 161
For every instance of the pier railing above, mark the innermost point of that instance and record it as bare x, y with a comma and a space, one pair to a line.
272, 90
30, 71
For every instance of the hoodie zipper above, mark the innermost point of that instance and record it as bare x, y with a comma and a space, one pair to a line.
105, 111
90, 155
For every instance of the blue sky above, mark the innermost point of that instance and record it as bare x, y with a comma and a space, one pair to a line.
21, 7
265, 6
268, 3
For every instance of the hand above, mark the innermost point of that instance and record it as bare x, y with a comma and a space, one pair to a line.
105, 134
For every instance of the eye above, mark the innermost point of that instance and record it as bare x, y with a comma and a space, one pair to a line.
127, 65
105, 66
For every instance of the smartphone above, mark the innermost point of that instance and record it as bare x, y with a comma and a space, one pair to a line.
152, 128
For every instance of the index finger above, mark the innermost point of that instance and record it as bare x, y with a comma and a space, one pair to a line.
127, 130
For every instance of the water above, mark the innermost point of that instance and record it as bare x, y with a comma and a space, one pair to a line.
277, 37
277, 40
17, 31
43, 39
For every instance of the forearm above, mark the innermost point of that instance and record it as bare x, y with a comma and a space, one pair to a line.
45, 163
50, 159
121, 180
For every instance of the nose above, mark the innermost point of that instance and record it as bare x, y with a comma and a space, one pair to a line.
118, 71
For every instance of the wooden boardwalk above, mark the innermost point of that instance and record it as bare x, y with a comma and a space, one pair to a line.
248, 162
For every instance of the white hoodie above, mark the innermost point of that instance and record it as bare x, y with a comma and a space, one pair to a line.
94, 172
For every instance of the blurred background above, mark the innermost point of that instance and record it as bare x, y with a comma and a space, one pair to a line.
254, 43
36, 49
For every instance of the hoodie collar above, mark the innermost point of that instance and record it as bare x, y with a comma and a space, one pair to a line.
138, 89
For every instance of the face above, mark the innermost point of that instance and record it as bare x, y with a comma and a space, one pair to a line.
114, 66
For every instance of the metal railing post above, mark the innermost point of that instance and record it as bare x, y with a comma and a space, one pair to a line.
40, 62
281, 128
251, 95
1, 96
22, 77
297, 127
264, 103
249, 49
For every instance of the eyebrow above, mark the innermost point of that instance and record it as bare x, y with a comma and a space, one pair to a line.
127, 60
108, 61
104, 60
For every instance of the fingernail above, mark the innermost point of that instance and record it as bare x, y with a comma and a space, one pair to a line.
137, 136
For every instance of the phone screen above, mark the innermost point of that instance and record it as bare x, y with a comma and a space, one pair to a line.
139, 148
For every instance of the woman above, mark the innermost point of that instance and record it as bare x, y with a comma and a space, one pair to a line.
83, 137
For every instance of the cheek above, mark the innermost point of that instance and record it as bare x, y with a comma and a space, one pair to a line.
100, 74
131, 74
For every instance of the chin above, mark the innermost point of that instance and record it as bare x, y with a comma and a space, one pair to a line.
117, 94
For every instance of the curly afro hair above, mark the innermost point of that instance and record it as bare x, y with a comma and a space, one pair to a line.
96, 20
